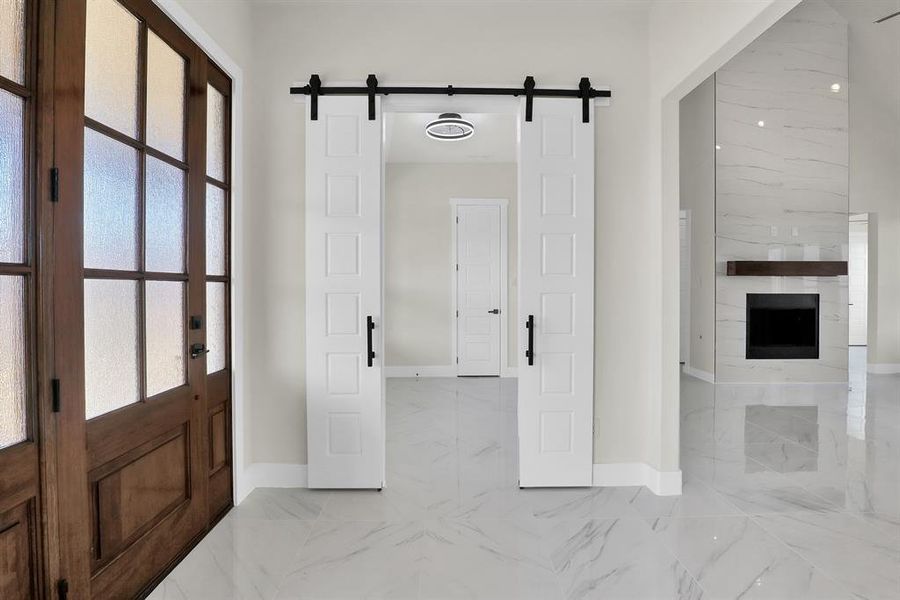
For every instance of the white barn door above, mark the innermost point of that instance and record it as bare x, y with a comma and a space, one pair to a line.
344, 392
556, 295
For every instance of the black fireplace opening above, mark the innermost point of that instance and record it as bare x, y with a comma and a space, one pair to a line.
782, 326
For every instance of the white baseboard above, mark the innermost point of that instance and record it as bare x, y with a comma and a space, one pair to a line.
883, 368
437, 371
661, 483
699, 374
421, 371
272, 475
290, 475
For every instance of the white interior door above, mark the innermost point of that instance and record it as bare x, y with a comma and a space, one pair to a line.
344, 393
478, 285
859, 282
556, 291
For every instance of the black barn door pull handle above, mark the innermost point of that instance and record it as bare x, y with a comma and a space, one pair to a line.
370, 325
529, 325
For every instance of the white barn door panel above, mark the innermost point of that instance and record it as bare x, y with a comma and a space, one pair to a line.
556, 289
344, 392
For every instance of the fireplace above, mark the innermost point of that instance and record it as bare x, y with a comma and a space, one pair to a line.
782, 326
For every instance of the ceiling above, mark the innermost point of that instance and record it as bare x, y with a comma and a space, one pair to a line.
494, 140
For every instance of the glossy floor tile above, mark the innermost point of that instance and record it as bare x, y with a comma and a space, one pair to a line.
790, 491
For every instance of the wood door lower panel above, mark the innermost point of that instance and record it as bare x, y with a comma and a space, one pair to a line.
133, 493
18, 553
220, 486
147, 502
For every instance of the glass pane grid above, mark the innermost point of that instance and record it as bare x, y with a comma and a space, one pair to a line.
166, 84
13, 383
111, 216
215, 133
111, 338
216, 326
216, 260
164, 335
165, 187
12, 40
135, 211
111, 66
12, 178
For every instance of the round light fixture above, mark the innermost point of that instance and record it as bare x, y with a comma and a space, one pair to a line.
761, 123
449, 127
835, 87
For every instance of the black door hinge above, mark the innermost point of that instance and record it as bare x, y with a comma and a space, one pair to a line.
54, 185
54, 391
62, 588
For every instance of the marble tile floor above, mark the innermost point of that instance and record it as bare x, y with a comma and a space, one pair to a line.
791, 491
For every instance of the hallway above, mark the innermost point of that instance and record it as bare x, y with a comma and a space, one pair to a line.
790, 492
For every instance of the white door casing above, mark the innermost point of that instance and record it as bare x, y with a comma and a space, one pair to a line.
478, 287
556, 287
685, 283
344, 395
859, 282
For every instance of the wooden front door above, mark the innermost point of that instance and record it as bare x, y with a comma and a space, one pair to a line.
21, 494
143, 259
139, 315
115, 381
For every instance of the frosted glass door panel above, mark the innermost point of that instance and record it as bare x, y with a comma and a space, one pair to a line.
12, 178
165, 217
165, 336
12, 360
165, 97
215, 326
215, 133
110, 203
111, 66
215, 230
110, 345
12, 39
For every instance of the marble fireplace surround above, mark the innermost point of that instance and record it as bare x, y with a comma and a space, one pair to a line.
782, 186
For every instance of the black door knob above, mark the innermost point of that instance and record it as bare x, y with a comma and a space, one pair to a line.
496, 311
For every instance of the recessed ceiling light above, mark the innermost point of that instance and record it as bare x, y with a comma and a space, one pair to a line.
718, 147
449, 127
761, 123
835, 87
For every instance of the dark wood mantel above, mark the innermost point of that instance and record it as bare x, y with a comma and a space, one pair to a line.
787, 268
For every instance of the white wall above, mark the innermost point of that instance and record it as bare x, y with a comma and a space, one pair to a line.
671, 50
558, 44
697, 192
688, 41
418, 271
875, 165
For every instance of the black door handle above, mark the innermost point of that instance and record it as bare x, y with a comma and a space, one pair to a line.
529, 353
496, 311
198, 350
370, 325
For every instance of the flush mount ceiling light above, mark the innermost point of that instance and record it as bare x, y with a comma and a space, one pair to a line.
449, 127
